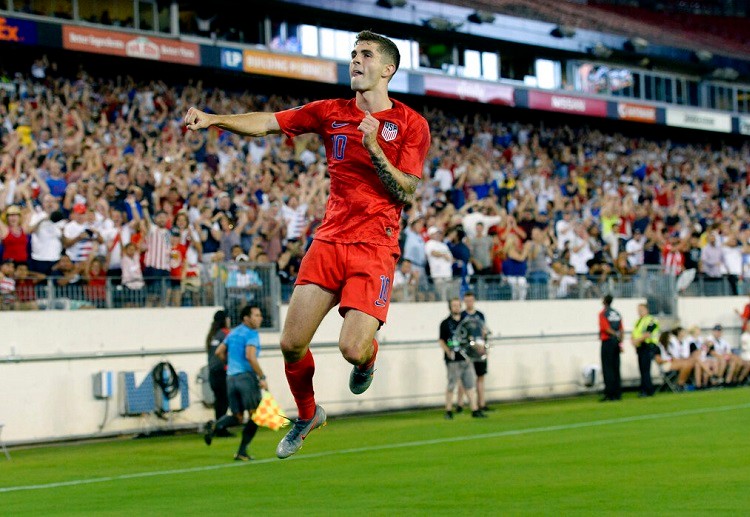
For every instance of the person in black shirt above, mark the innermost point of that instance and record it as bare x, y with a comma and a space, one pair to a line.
217, 374
480, 366
610, 332
458, 365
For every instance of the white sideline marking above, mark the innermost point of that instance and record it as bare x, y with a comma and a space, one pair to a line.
358, 450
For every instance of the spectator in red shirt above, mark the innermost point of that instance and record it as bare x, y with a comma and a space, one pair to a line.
26, 282
13, 236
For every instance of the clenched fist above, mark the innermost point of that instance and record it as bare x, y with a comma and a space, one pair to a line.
369, 126
197, 119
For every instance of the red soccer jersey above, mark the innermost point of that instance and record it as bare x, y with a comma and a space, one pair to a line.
177, 260
359, 207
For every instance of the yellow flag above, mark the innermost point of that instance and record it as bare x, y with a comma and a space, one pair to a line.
269, 414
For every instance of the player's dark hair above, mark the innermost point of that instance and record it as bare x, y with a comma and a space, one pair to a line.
247, 310
386, 46
607, 300
219, 321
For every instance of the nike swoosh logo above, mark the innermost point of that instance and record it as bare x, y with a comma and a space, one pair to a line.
315, 421
337, 125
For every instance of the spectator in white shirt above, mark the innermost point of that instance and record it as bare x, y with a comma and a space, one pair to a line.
565, 229
732, 252
443, 177
79, 239
405, 282
46, 227
440, 259
634, 248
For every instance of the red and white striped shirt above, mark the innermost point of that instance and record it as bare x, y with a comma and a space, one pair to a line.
158, 248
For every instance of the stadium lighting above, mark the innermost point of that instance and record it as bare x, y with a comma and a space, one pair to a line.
563, 31
390, 4
441, 24
481, 17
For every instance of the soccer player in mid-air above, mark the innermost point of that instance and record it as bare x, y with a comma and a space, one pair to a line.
375, 148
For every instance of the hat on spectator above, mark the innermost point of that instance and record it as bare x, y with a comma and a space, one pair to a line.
433, 230
13, 210
223, 194
418, 217
242, 258
79, 208
718, 327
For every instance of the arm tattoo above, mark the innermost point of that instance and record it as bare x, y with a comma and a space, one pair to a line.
401, 194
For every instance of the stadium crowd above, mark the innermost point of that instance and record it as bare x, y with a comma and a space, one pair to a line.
100, 183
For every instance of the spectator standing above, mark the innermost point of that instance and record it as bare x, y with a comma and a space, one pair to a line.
732, 251
539, 253
158, 254
610, 333
440, 260
79, 239
405, 282
26, 282
13, 235
7, 285
712, 260
132, 276
462, 268
481, 251
634, 248
116, 238
45, 227
414, 248
515, 266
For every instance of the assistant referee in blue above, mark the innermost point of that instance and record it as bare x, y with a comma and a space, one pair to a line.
245, 378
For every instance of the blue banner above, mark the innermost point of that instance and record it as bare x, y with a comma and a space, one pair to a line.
231, 59
18, 31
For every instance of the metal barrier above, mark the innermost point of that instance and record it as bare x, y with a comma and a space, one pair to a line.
231, 286
659, 288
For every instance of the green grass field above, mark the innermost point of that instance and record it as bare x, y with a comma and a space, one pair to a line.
684, 454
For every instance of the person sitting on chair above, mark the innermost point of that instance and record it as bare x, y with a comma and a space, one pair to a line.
669, 363
679, 348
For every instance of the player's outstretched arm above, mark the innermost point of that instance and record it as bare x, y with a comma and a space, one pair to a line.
398, 183
256, 123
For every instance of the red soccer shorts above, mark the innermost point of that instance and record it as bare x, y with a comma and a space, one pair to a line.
360, 274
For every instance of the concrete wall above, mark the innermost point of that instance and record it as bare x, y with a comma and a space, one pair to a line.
47, 359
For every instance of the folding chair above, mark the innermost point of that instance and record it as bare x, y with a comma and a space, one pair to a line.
2, 443
669, 380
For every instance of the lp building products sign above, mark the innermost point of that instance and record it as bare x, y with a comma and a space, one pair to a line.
130, 45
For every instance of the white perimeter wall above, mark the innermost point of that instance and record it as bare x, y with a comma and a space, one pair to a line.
542, 348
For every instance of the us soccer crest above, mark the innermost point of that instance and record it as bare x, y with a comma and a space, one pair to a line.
389, 131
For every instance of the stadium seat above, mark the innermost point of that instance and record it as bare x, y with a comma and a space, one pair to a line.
2, 443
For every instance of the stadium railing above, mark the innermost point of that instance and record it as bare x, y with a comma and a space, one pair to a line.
259, 286
660, 288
